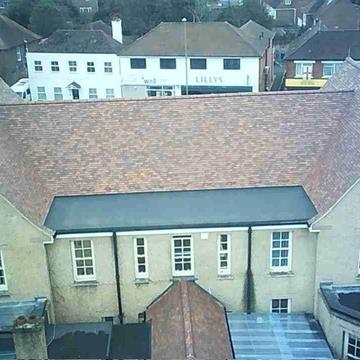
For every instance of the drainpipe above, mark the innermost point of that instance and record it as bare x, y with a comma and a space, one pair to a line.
117, 276
248, 274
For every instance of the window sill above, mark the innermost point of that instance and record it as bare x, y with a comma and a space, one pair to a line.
183, 277
4, 293
281, 273
142, 281
85, 283
225, 277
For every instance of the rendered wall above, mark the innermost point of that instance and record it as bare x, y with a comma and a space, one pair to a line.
339, 242
24, 256
334, 328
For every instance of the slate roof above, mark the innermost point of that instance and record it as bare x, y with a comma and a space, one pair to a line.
180, 209
203, 39
328, 45
77, 41
189, 314
9, 311
343, 300
7, 96
177, 143
13, 34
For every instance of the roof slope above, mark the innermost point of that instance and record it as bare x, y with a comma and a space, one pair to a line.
339, 167
188, 313
13, 34
77, 41
180, 209
7, 96
328, 45
194, 142
203, 39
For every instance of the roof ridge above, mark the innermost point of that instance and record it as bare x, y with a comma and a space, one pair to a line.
179, 97
186, 310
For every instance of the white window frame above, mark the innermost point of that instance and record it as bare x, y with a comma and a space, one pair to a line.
55, 67
108, 69
3, 287
173, 256
85, 9
334, 65
58, 95
38, 66
72, 66
279, 312
281, 268
141, 274
41, 95
93, 94
227, 270
109, 94
18, 54
302, 64
81, 278
161, 90
347, 355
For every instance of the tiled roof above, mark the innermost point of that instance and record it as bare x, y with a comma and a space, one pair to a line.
197, 321
13, 34
77, 41
338, 167
175, 143
7, 96
203, 39
328, 45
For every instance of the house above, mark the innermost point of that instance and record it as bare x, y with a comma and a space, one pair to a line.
286, 12
86, 7
312, 59
219, 58
13, 41
253, 196
333, 14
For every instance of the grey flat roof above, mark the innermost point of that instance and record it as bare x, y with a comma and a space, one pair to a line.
180, 209
277, 336
342, 299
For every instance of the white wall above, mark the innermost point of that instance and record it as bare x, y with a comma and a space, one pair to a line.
50, 79
214, 75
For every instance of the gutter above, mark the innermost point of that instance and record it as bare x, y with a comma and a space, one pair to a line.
249, 282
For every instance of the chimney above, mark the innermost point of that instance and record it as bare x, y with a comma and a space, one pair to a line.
116, 25
29, 338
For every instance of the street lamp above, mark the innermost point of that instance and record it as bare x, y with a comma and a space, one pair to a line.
184, 20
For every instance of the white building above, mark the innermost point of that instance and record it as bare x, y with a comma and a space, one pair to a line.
172, 59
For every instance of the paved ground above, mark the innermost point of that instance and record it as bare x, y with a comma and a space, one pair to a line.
277, 337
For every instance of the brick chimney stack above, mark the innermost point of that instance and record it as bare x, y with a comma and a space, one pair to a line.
29, 338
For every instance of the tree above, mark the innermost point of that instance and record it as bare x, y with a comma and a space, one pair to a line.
20, 11
249, 10
199, 9
46, 18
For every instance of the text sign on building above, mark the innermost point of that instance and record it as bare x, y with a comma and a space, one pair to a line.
208, 79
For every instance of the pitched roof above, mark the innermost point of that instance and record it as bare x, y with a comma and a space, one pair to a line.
13, 34
77, 41
338, 167
180, 209
175, 143
203, 39
189, 314
328, 45
7, 96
